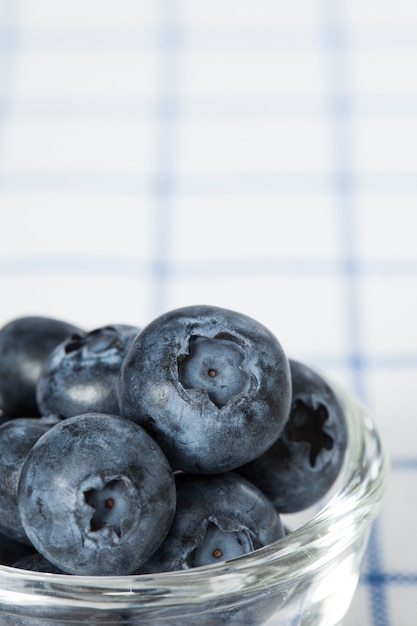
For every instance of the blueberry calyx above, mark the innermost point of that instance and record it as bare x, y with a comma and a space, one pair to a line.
74, 343
213, 365
97, 340
111, 506
306, 424
220, 545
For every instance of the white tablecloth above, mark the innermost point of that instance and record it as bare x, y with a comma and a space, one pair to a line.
260, 156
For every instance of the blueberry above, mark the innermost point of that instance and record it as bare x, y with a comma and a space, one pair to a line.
96, 495
82, 373
25, 344
302, 465
217, 517
17, 437
211, 385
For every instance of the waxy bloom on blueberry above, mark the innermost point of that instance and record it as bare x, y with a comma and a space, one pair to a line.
17, 436
211, 385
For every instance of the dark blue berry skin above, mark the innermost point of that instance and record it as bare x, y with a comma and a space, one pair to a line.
211, 385
25, 344
302, 465
35, 562
217, 518
96, 495
12, 551
17, 437
82, 373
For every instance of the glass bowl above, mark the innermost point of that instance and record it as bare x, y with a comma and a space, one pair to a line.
308, 577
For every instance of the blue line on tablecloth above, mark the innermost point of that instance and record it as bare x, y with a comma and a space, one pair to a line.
336, 49
375, 575
390, 578
408, 464
337, 57
268, 267
166, 115
242, 183
7, 60
269, 36
141, 108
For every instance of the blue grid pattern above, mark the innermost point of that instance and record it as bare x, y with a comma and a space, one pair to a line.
279, 201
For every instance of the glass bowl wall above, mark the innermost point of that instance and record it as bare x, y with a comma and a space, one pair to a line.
307, 578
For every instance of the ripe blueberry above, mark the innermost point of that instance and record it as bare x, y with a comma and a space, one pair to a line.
25, 344
96, 495
302, 465
212, 386
217, 518
82, 373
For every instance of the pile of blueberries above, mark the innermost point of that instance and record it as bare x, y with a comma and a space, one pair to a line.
127, 450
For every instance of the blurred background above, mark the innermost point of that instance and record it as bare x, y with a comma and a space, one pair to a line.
260, 156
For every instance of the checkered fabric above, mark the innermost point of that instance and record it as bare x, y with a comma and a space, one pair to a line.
260, 156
